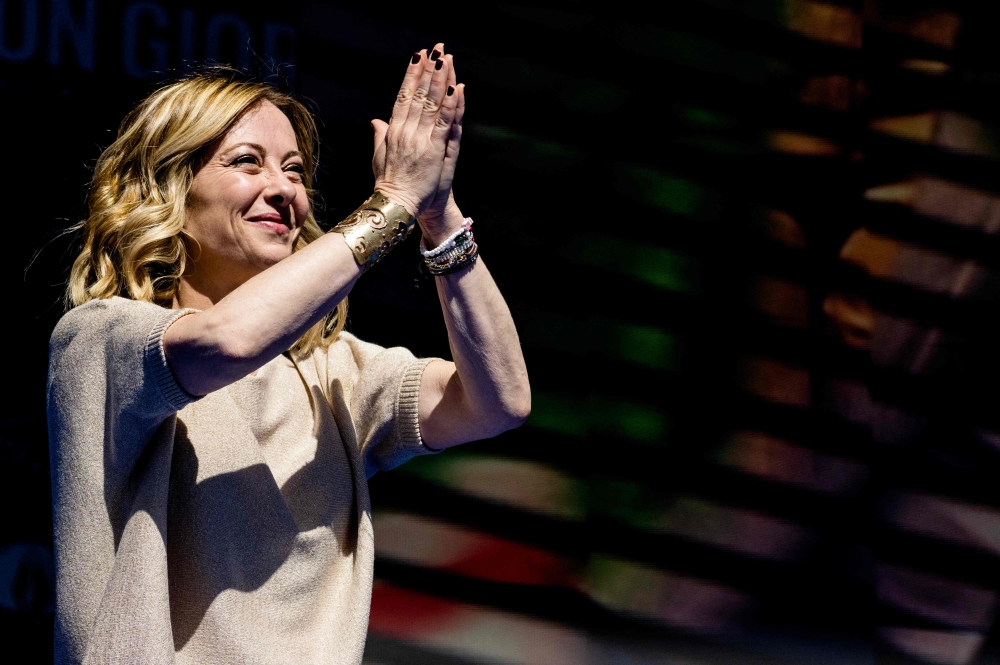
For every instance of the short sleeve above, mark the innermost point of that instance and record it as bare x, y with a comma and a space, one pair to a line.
109, 379
383, 402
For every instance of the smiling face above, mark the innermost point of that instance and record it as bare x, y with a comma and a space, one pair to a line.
247, 202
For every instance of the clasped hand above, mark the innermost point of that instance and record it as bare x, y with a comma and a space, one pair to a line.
417, 150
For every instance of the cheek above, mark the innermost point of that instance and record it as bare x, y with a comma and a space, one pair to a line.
238, 194
301, 206
215, 204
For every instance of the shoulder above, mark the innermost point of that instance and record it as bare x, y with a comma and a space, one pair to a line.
117, 341
113, 328
99, 316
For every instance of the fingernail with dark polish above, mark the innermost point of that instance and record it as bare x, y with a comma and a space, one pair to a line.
451, 90
435, 54
416, 58
437, 65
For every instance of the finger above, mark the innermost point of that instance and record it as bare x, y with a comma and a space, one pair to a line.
380, 129
446, 116
401, 109
416, 106
454, 136
450, 162
456, 118
460, 104
453, 87
436, 94
453, 140
452, 76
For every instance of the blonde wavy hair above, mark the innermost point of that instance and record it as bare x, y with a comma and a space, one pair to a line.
134, 244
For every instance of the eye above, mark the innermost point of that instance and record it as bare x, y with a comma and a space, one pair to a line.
245, 159
296, 168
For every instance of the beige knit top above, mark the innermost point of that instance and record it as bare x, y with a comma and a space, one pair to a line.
234, 528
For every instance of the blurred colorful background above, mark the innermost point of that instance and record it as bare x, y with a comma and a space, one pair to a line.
752, 250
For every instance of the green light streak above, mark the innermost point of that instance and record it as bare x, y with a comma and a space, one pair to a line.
581, 417
640, 345
672, 194
706, 118
519, 483
643, 345
657, 266
627, 502
593, 97
717, 145
528, 151
557, 413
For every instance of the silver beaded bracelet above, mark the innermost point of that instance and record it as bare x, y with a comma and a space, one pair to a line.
456, 252
449, 242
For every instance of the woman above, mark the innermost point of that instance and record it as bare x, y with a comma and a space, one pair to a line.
211, 426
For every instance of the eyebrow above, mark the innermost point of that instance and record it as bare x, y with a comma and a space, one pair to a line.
259, 148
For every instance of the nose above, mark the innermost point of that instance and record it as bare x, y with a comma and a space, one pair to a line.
280, 191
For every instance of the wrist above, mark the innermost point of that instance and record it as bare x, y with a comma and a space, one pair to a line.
374, 228
397, 197
455, 253
437, 228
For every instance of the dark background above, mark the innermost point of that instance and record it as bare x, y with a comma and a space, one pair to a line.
663, 194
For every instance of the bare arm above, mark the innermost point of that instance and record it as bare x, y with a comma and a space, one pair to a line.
261, 318
485, 390
265, 315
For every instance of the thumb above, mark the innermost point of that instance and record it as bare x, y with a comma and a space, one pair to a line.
380, 128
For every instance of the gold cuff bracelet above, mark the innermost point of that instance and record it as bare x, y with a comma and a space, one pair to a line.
375, 228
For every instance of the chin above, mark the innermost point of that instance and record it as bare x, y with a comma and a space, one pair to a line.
270, 256
265, 255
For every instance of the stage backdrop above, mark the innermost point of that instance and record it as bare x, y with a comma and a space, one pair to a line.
751, 250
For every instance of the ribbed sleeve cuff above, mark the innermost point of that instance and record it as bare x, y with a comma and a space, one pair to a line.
407, 414
156, 363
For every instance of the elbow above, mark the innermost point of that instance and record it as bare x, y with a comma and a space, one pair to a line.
236, 352
231, 345
516, 409
208, 356
508, 412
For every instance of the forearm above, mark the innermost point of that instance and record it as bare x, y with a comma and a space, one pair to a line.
488, 391
261, 318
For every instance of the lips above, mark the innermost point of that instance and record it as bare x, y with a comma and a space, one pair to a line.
272, 222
